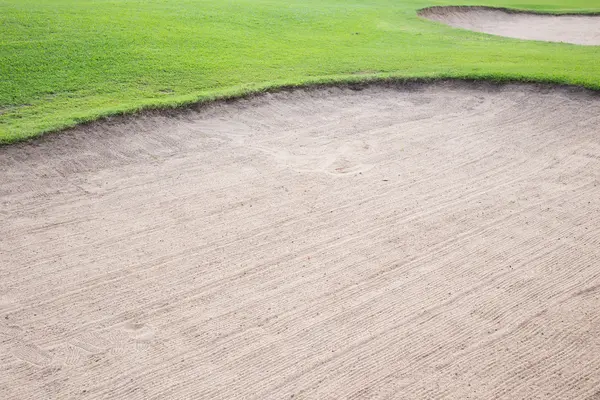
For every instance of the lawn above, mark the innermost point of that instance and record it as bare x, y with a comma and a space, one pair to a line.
67, 61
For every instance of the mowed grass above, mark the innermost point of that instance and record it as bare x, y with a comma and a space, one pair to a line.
67, 61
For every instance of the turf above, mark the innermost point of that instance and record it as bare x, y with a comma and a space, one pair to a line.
67, 61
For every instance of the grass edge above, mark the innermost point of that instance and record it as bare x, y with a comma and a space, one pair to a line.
249, 90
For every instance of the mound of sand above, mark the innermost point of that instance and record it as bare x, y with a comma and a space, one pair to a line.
424, 242
577, 29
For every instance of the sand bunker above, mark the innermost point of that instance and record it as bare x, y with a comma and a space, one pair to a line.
437, 242
577, 29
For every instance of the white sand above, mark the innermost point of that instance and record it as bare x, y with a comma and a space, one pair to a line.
432, 242
576, 29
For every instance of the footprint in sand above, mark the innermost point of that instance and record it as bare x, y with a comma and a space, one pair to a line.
346, 159
21, 349
130, 336
139, 332
31, 354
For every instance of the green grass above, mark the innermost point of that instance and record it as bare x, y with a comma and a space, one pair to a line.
63, 62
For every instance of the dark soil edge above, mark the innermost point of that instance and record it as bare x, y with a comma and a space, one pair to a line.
423, 12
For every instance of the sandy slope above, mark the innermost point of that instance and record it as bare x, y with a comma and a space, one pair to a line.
577, 29
433, 242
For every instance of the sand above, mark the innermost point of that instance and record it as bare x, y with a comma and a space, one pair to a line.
412, 242
576, 29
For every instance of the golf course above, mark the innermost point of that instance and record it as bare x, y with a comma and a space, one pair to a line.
65, 62
285, 199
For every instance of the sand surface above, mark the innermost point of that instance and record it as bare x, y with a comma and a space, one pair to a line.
576, 29
422, 242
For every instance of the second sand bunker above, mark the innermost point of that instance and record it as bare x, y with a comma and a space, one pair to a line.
575, 29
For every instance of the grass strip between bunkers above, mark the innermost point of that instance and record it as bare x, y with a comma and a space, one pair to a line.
64, 62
